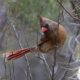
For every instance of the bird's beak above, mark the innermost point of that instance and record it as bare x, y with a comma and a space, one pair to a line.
44, 29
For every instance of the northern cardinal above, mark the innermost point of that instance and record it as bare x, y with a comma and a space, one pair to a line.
47, 42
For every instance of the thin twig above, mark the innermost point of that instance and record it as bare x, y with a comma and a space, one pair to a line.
47, 66
5, 69
37, 41
26, 74
68, 12
10, 71
76, 12
13, 69
59, 71
28, 67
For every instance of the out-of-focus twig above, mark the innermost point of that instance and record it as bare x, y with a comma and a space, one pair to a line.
28, 67
74, 43
5, 53
77, 32
10, 71
68, 12
6, 47
13, 69
72, 52
75, 24
67, 67
76, 12
77, 40
71, 69
78, 1
58, 71
69, 60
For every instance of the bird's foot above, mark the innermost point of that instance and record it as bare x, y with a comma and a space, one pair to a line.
54, 64
56, 45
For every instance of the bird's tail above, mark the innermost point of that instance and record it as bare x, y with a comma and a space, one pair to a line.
13, 55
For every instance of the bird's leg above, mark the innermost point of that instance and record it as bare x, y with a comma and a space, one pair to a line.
52, 60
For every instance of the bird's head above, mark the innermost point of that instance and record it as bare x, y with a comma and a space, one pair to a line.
44, 23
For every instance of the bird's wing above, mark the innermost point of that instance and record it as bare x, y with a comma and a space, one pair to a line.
42, 41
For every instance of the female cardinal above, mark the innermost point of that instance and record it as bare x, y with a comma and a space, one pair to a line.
46, 44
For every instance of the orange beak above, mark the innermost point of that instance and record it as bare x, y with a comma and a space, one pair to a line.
44, 29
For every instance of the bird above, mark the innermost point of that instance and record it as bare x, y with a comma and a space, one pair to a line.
46, 44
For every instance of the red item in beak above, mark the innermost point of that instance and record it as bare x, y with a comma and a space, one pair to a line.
44, 29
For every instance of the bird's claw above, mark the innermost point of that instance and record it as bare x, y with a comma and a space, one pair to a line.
54, 64
56, 45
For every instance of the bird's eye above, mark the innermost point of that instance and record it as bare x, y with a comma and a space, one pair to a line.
46, 25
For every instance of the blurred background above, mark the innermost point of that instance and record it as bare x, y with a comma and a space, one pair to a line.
24, 15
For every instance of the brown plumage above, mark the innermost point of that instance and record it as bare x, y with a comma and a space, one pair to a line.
46, 43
